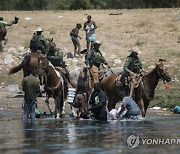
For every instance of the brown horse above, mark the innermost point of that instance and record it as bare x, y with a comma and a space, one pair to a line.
56, 87
144, 93
33, 60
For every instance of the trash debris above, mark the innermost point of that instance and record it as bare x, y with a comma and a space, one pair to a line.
155, 108
168, 87
164, 109
8, 58
120, 13
13, 88
27, 18
39, 113
176, 110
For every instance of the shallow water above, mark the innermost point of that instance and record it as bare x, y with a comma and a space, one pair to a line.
86, 136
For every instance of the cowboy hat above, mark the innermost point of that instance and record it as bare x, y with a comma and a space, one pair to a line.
135, 49
96, 43
39, 29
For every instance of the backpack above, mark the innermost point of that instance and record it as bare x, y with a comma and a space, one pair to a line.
35, 43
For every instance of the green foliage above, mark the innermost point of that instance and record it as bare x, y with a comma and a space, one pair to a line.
166, 100
82, 4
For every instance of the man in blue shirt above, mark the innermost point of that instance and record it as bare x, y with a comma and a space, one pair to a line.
131, 106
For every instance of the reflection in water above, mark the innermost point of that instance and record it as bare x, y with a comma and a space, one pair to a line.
87, 136
71, 135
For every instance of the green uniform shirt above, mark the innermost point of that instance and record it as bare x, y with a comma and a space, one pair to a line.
4, 22
30, 85
94, 58
133, 64
56, 57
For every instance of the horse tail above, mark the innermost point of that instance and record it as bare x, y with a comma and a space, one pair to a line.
20, 66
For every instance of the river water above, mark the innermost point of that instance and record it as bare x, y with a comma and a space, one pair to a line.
71, 136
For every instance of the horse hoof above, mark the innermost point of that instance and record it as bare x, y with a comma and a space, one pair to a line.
72, 115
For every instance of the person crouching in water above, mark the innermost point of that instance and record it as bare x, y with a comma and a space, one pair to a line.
31, 87
98, 103
74, 37
131, 106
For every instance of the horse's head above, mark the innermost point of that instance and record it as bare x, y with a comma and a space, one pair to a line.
162, 72
51, 45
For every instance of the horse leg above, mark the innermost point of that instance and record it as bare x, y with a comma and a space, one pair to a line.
57, 111
141, 105
47, 103
63, 109
146, 107
72, 111
1, 45
110, 103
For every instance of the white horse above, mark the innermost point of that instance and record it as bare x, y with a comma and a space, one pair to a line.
74, 73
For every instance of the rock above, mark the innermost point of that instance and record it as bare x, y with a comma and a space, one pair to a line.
8, 58
69, 55
104, 54
21, 48
113, 56
13, 88
117, 61
12, 50
24, 54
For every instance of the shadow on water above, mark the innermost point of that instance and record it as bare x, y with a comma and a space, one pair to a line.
86, 136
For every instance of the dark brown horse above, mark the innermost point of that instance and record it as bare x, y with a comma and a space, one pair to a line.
56, 87
34, 60
3, 33
144, 93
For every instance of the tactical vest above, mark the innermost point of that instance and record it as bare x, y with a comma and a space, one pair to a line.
135, 65
96, 58
36, 43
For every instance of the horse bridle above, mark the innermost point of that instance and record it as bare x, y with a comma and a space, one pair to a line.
161, 75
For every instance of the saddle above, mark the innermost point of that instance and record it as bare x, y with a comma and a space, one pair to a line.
131, 82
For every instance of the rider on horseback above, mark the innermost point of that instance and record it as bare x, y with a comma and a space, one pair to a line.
55, 56
3, 30
93, 59
38, 42
132, 67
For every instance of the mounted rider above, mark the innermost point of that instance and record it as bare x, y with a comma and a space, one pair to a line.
38, 42
93, 59
55, 56
3, 30
132, 68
